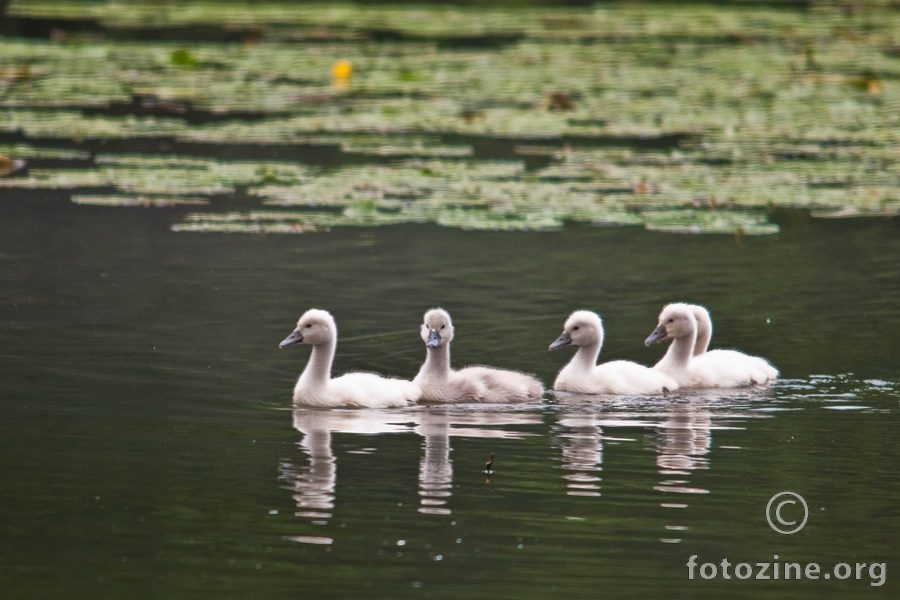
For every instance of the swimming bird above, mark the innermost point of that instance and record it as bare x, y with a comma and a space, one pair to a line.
315, 387
584, 329
717, 369
440, 383
678, 323
733, 367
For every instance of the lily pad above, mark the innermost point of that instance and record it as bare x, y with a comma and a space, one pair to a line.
691, 120
140, 201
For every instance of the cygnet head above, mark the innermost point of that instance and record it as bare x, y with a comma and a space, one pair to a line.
437, 328
314, 327
675, 320
582, 328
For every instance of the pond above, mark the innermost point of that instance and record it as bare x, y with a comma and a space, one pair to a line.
164, 222
151, 450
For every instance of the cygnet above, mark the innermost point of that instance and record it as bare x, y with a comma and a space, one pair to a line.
440, 383
315, 387
584, 329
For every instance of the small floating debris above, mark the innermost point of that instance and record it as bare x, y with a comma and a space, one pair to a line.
489, 466
470, 115
9, 165
558, 101
868, 82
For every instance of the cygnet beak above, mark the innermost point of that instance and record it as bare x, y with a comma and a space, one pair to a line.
434, 339
563, 340
295, 337
657, 335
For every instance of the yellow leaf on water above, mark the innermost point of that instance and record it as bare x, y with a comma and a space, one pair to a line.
342, 69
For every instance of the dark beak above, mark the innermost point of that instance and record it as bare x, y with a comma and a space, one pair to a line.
657, 335
434, 339
563, 340
296, 337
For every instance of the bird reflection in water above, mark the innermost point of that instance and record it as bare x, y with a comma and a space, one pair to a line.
682, 447
581, 445
437, 425
314, 481
584, 431
683, 427
683, 444
436, 465
584, 423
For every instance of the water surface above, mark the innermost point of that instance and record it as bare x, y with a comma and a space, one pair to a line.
150, 449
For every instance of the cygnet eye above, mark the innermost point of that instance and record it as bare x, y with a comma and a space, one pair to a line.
443, 326
670, 321
575, 328
308, 325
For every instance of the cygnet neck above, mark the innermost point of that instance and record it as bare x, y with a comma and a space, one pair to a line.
437, 363
704, 331
682, 349
318, 369
586, 356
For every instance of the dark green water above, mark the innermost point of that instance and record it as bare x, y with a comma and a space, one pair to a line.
149, 449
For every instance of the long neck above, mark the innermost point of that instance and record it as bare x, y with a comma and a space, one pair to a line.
681, 349
437, 363
586, 357
318, 369
704, 334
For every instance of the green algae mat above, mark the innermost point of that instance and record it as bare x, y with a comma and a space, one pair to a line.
297, 118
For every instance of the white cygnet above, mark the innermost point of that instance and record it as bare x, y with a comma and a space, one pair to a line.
440, 383
584, 329
733, 368
723, 369
315, 387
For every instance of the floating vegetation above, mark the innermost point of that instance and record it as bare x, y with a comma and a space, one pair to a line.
56, 180
42, 153
131, 201
253, 222
403, 147
688, 221
695, 119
